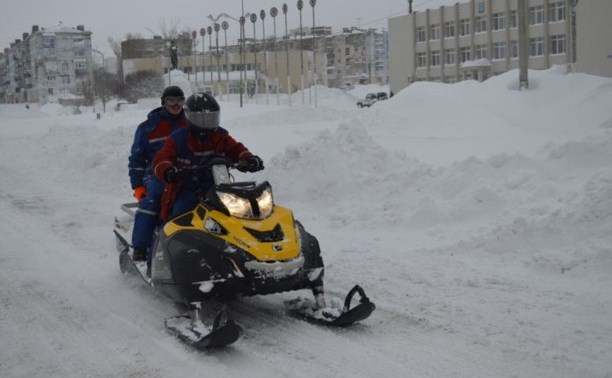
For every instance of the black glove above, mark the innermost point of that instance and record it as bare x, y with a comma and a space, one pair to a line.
251, 164
173, 174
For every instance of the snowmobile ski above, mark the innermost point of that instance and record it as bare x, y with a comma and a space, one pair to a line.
333, 316
224, 331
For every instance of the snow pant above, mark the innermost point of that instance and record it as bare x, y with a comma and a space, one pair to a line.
147, 215
186, 200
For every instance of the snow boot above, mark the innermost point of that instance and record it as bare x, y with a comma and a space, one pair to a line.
140, 254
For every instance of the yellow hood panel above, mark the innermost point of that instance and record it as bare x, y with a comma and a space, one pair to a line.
286, 249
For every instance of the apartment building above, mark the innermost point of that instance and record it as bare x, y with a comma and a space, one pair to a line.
354, 55
47, 65
479, 38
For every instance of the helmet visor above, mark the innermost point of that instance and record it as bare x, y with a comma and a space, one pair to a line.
203, 120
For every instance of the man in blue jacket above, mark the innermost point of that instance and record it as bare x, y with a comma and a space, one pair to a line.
148, 139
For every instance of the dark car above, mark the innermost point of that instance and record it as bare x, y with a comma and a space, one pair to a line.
382, 96
369, 100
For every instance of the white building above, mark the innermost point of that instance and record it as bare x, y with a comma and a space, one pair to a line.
48, 65
476, 39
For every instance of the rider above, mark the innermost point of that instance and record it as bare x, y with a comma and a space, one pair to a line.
148, 139
190, 147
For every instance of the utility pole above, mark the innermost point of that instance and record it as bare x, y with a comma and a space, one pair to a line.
523, 45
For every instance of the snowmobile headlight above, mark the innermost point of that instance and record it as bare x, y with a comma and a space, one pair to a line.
236, 206
265, 203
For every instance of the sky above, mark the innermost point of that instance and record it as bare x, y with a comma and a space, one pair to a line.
475, 216
115, 20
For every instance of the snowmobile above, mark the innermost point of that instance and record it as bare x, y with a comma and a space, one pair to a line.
235, 242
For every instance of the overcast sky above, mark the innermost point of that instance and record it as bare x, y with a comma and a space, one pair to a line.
117, 18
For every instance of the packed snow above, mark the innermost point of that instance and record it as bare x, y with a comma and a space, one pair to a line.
476, 216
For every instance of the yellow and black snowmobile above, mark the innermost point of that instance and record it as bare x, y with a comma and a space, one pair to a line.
235, 242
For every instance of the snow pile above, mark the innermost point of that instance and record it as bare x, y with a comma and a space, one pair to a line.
477, 217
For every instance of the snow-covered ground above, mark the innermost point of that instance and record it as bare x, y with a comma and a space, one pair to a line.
477, 217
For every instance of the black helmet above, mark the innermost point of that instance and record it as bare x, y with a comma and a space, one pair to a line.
172, 91
202, 111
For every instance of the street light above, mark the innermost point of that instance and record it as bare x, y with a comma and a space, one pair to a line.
225, 26
217, 27
314, 49
274, 13
262, 15
300, 5
253, 19
203, 34
94, 82
209, 30
285, 9
194, 35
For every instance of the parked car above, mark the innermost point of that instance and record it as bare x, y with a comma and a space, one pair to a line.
369, 100
382, 96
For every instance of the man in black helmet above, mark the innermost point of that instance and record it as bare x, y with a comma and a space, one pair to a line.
189, 147
148, 139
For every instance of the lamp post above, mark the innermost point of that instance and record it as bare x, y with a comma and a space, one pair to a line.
274, 13
300, 5
523, 46
94, 82
194, 35
217, 27
225, 26
314, 50
242, 60
253, 19
209, 30
203, 34
262, 15
285, 9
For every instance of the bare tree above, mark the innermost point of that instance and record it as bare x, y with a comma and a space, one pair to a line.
167, 31
116, 47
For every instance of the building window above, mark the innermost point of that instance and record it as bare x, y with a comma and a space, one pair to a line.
536, 46
480, 24
499, 50
49, 51
499, 21
65, 67
536, 15
465, 54
464, 27
50, 78
50, 91
66, 79
449, 56
421, 59
481, 7
513, 19
420, 34
347, 51
556, 12
434, 32
79, 53
79, 64
557, 44
449, 29
481, 52
514, 49
435, 58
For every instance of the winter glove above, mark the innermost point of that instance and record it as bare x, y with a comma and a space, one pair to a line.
140, 192
174, 174
251, 164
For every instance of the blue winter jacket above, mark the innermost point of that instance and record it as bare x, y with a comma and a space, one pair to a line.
148, 139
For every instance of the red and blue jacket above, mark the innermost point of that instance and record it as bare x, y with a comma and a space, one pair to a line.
149, 138
183, 148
